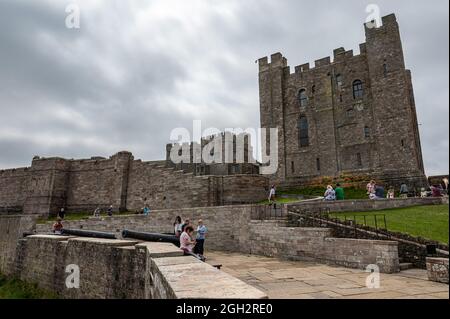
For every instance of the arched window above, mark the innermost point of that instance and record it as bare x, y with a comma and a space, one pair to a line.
302, 97
358, 90
303, 131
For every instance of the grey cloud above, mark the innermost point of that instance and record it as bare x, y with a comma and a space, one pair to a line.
124, 81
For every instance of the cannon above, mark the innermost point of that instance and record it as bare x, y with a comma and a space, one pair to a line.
88, 233
151, 237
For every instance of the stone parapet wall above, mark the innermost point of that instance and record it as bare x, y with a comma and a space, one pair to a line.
317, 244
122, 269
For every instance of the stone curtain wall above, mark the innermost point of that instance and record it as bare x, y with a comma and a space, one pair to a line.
14, 185
83, 185
122, 269
11, 230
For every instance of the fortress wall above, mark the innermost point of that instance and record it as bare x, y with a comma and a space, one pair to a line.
228, 230
164, 188
93, 183
11, 230
242, 189
14, 185
122, 269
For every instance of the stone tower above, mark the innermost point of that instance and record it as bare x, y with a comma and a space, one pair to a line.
353, 116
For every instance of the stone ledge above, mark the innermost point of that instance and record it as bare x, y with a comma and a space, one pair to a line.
160, 250
190, 279
105, 242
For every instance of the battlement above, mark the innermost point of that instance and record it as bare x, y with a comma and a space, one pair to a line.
339, 54
276, 60
389, 22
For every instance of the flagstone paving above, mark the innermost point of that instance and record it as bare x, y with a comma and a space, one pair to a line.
282, 279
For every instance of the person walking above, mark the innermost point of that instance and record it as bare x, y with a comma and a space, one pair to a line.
201, 236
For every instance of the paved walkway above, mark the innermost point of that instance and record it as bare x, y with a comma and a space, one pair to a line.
304, 280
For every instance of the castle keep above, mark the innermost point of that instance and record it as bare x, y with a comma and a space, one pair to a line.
352, 116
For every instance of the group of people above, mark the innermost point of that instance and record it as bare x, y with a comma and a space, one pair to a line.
188, 243
333, 194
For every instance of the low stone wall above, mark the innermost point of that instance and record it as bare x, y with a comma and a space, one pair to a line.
363, 205
122, 269
438, 269
317, 244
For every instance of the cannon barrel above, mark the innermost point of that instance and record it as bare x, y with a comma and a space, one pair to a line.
88, 233
151, 237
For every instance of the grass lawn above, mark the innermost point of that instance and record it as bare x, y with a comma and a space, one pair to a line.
17, 289
430, 222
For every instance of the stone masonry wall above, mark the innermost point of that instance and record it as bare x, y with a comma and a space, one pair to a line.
374, 133
12, 229
316, 244
122, 269
83, 185
231, 229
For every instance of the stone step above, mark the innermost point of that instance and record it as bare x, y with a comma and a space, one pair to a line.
406, 266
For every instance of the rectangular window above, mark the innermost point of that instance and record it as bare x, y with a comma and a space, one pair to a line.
318, 164
292, 168
366, 132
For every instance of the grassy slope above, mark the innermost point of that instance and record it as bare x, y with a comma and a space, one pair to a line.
430, 222
17, 289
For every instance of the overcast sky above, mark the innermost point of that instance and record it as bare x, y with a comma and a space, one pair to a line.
137, 69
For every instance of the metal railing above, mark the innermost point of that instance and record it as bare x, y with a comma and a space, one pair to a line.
268, 212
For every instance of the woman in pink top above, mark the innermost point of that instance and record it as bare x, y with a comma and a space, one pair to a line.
186, 242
